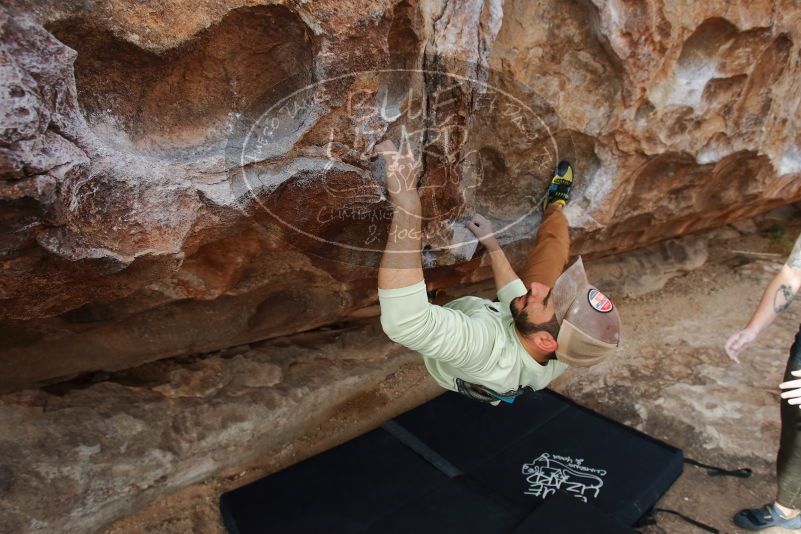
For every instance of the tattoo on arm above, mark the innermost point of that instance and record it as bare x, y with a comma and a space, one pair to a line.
783, 298
794, 260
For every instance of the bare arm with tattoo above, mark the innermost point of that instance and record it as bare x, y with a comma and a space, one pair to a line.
775, 300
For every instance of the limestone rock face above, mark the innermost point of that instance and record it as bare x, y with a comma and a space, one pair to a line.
178, 177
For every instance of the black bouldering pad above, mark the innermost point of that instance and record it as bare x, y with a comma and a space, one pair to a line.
457, 464
564, 514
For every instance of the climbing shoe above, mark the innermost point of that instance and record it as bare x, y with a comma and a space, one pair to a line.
765, 517
559, 185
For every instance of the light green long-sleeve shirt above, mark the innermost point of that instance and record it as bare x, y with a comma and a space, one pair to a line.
469, 338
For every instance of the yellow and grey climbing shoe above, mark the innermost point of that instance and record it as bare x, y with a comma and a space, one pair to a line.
559, 186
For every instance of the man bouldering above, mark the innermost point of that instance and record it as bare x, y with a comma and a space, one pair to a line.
543, 321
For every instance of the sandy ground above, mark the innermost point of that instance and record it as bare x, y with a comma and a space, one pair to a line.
671, 380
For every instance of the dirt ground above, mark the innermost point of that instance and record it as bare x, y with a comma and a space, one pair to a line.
674, 382
670, 380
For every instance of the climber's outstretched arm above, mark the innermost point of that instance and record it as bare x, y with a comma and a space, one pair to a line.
407, 317
501, 268
401, 265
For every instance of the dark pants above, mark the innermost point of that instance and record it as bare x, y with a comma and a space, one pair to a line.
788, 461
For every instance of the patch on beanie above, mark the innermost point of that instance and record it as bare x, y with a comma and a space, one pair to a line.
599, 301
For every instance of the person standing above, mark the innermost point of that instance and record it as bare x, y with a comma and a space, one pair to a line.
785, 510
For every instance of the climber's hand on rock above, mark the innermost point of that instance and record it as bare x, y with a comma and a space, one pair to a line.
792, 389
385, 148
738, 342
402, 170
484, 231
